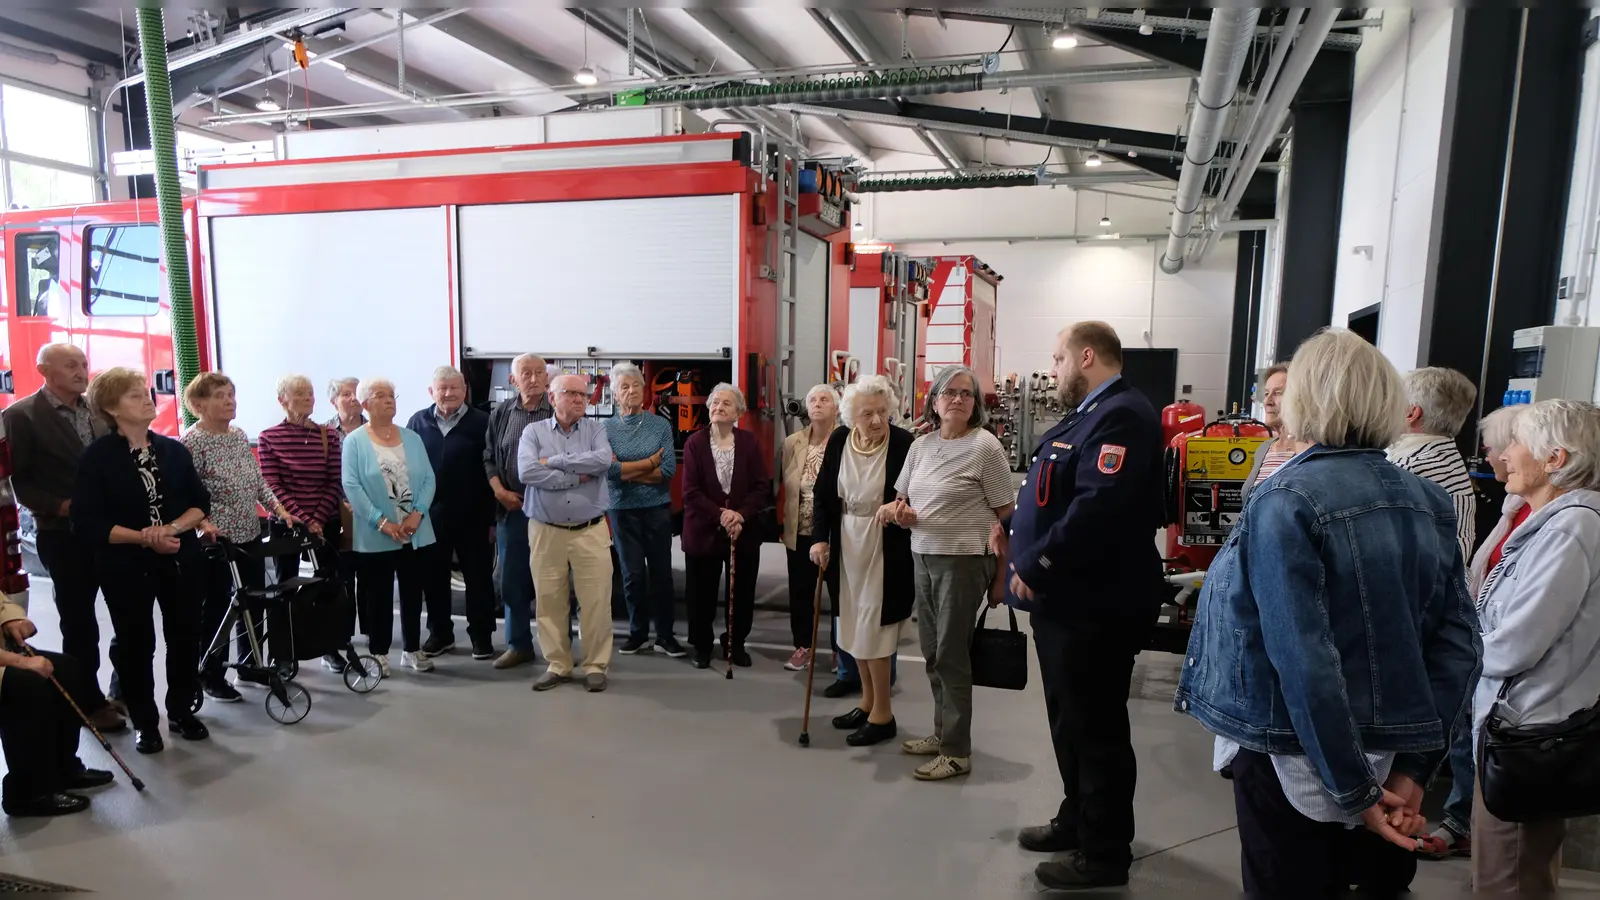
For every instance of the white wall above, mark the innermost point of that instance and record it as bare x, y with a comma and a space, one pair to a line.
1578, 256
1395, 128
1051, 284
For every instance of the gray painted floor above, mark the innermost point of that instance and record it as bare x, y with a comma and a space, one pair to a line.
674, 783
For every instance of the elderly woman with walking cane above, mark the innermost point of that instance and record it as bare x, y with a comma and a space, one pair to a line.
872, 553
726, 485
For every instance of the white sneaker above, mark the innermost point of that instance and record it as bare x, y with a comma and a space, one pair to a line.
943, 767
383, 663
417, 660
928, 746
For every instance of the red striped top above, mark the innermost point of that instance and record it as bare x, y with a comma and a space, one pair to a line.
301, 464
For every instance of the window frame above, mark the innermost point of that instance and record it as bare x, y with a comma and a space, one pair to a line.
89, 289
23, 268
95, 169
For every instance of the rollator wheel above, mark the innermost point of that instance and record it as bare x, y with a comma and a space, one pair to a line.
294, 705
364, 675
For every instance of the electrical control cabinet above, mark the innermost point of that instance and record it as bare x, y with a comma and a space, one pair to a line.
1552, 362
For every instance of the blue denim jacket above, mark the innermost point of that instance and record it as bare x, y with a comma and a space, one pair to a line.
1335, 621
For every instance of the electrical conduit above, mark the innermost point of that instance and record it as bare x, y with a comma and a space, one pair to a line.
169, 199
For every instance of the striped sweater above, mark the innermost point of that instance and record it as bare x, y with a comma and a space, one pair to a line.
301, 465
1437, 459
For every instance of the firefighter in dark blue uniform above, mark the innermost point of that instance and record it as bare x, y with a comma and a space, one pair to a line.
1084, 563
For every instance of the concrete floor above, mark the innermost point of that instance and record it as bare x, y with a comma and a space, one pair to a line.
674, 782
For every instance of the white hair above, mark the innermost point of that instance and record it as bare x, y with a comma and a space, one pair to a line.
626, 370
1496, 427
738, 395
339, 384
867, 386
367, 385
288, 384
50, 350
1570, 425
821, 389
1343, 393
533, 359
1445, 397
446, 373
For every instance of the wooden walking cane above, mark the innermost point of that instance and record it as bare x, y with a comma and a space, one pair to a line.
104, 744
811, 670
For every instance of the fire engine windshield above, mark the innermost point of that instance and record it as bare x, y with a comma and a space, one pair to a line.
124, 276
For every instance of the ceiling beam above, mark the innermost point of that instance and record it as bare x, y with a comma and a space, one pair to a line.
940, 147
825, 23
855, 30
496, 45
735, 40
82, 35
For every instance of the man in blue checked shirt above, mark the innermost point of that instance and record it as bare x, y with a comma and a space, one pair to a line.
562, 462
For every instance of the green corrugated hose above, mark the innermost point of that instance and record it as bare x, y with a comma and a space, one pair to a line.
158, 103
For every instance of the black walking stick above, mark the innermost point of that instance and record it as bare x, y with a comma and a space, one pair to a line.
811, 670
104, 744
727, 649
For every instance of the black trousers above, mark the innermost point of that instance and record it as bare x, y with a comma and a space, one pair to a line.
473, 547
707, 599
803, 587
39, 730
377, 574
1086, 668
132, 594
1284, 854
219, 596
70, 562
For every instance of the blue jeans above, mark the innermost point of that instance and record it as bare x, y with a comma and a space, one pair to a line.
516, 580
644, 548
1463, 773
846, 667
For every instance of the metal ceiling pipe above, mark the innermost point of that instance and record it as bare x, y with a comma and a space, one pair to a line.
1232, 31
1276, 109
1004, 134
268, 30
1192, 27
944, 181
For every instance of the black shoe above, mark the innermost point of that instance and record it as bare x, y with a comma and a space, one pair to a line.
634, 645
483, 649
1076, 873
218, 689
1226, 772
670, 646
872, 733
702, 659
741, 658
851, 720
88, 779
435, 646
189, 728
148, 740
50, 805
841, 688
1047, 838
334, 663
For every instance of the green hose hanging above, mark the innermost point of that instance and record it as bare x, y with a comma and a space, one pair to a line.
158, 103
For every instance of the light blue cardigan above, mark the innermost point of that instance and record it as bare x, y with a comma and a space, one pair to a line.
368, 493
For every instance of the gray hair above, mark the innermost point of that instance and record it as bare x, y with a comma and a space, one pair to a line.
821, 389
626, 370
1342, 392
738, 396
941, 380
288, 384
1445, 397
339, 384
1570, 425
532, 359
1496, 427
367, 385
446, 373
868, 386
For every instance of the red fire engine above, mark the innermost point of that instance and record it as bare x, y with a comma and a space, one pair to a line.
960, 326
705, 257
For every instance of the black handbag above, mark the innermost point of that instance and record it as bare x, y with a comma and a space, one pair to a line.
1533, 772
999, 656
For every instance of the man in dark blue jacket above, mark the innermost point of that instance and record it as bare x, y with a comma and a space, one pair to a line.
462, 514
1084, 563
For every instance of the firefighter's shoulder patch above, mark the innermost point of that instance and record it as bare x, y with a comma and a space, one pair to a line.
1111, 457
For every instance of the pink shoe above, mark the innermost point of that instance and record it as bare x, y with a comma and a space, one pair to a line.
799, 661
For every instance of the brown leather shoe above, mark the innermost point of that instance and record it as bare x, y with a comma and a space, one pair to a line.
107, 720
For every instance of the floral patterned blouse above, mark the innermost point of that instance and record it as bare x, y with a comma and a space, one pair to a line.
808, 480
229, 471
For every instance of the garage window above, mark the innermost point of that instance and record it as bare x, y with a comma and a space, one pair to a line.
124, 277
39, 276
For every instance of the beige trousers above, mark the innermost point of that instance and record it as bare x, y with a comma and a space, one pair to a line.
1514, 858
588, 552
